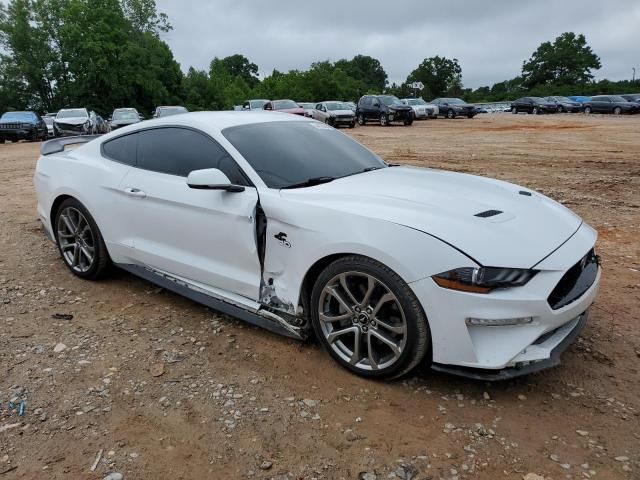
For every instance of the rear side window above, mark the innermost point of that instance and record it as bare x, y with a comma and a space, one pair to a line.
179, 151
121, 149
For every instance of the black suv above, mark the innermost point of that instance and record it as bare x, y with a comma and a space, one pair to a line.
610, 104
454, 107
16, 126
383, 109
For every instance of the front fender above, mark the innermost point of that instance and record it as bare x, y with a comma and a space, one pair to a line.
299, 235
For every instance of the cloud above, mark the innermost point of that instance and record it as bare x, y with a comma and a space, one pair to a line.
491, 39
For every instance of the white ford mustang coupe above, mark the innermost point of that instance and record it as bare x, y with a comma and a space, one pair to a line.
289, 224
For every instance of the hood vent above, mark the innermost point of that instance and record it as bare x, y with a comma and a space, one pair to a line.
488, 213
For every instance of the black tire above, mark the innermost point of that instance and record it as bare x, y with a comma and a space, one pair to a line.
2, 141
470, 116
361, 119
451, 114
587, 110
101, 261
560, 109
514, 110
384, 120
418, 339
352, 125
535, 111
617, 111
409, 122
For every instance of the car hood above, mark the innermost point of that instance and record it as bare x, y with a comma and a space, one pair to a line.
399, 107
446, 205
341, 112
72, 120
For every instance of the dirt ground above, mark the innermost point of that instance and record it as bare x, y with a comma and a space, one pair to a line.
167, 389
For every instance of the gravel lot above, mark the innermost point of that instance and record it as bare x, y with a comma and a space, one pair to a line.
159, 387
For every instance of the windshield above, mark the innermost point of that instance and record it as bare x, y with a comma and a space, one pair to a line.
258, 103
336, 106
125, 115
289, 153
284, 104
167, 111
18, 116
390, 100
76, 112
416, 101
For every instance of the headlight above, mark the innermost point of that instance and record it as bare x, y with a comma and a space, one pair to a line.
484, 279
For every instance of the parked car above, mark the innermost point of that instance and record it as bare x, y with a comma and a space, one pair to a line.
72, 121
296, 227
15, 126
167, 111
454, 107
565, 104
254, 104
308, 108
121, 117
533, 105
614, 104
384, 109
286, 106
48, 120
421, 109
634, 97
334, 113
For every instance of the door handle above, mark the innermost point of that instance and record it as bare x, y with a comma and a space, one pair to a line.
134, 192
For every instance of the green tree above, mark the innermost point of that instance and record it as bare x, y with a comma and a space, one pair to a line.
366, 69
566, 61
441, 76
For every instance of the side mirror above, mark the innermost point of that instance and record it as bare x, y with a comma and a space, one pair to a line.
211, 179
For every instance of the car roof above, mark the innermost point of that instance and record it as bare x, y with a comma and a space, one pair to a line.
208, 121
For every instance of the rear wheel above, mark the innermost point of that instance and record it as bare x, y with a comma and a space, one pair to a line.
560, 109
1, 141
587, 110
352, 125
80, 241
514, 110
535, 111
368, 318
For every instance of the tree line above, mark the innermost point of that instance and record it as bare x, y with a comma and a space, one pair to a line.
105, 54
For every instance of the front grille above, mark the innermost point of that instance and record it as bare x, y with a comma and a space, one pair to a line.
345, 117
575, 282
67, 126
10, 126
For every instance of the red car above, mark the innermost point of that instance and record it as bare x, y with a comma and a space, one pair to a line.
287, 106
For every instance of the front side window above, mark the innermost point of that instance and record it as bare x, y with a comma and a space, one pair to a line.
288, 153
179, 151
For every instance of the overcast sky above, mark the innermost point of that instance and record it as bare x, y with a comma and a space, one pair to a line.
490, 38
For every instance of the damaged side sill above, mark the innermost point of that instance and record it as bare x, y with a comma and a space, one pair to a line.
259, 317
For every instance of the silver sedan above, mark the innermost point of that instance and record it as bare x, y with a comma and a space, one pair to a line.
335, 114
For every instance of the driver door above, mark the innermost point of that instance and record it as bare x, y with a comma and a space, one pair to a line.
203, 236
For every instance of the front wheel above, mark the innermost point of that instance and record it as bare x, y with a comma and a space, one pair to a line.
514, 110
617, 111
587, 110
352, 125
368, 318
361, 120
80, 241
535, 111
451, 114
384, 120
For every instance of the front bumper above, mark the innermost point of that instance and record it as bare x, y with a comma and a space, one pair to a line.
15, 135
67, 130
558, 341
460, 347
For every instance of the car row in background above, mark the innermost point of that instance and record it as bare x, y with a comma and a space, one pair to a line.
614, 104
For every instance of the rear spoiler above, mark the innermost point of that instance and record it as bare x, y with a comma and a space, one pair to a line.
57, 144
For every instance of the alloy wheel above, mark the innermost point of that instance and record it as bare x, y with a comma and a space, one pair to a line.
362, 321
76, 240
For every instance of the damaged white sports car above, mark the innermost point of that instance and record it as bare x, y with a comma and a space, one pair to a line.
289, 224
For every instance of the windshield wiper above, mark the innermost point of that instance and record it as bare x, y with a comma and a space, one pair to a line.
310, 182
370, 169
